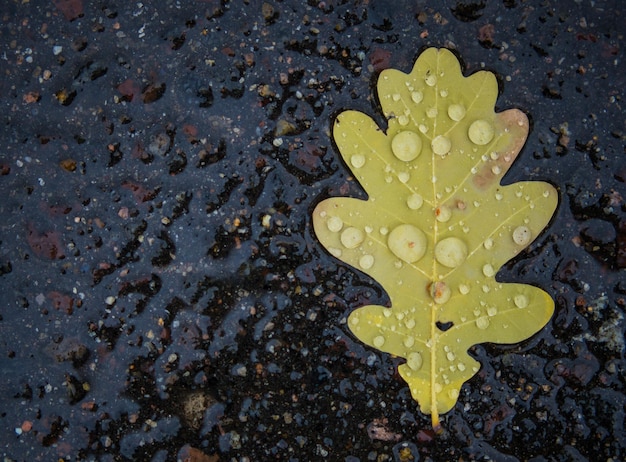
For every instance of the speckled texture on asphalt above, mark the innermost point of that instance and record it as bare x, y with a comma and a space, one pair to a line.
162, 295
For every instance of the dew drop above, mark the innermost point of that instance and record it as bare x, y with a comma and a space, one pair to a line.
431, 80
492, 311
521, 235
432, 112
409, 342
496, 170
366, 261
443, 93
453, 393
407, 242
335, 252
461, 366
414, 201
409, 323
450, 356
482, 322
404, 177
354, 320
521, 301
451, 252
357, 160
456, 112
384, 230
414, 361
379, 341
440, 292
546, 193
443, 213
423, 128
488, 270
481, 132
464, 289
488, 244
417, 97
351, 237
396, 97
441, 145
403, 120
499, 196
334, 224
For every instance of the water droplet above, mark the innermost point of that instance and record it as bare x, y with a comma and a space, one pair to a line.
499, 196
395, 97
546, 193
351, 237
368, 229
422, 128
453, 393
357, 160
335, 252
456, 112
438, 387
334, 224
464, 289
366, 261
415, 201
496, 170
461, 366
440, 292
409, 342
432, 112
488, 270
379, 341
481, 132
443, 213
403, 120
441, 145
488, 244
407, 242
451, 252
417, 97
404, 177
384, 230
486, 288
430, 79
414, 361
450, 356
387, 312
521, 301
443, 93
388, 179
521, 235
482, 322
492, 311
409, 323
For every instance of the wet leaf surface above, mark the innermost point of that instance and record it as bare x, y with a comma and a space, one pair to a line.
215, 292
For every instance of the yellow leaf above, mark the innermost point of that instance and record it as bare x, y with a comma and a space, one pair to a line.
438, 224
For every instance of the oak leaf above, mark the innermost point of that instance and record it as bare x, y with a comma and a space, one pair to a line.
438, 224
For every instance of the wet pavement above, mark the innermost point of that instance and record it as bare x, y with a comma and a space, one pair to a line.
162, 294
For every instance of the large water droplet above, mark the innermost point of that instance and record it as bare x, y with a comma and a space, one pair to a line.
409, 342
481, 132
334, 224
417, 97
521, 235
441, 145
440, 292
456, 112
521, 301
407, 242
414, 201
351, 237
406, 145
482, 322
443, 213
488, 270
430, 79
492, 311
366, 261
451, 252
414, 361
357, 160
379, 341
